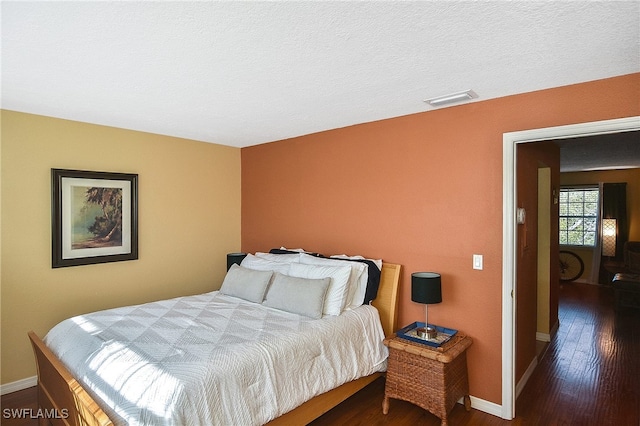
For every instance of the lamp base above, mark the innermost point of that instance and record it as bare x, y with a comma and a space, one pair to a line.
426, 332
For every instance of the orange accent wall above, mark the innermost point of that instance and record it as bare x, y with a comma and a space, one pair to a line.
531, 157
423, 190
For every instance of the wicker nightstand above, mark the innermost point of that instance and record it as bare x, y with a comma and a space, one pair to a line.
432, 378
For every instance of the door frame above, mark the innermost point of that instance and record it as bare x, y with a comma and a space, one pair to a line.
509, 199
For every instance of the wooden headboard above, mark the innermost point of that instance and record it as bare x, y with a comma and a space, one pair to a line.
387, 300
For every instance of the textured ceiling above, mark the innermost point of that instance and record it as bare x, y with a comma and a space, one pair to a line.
245, 73
601, 152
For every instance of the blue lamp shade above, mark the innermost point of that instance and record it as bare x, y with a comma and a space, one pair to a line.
426, 287
235, 258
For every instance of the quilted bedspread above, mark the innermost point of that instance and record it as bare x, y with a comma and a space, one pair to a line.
212, 359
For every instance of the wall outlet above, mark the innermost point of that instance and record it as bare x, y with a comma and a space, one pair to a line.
477, 261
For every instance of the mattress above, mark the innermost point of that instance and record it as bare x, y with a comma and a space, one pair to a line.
214, 359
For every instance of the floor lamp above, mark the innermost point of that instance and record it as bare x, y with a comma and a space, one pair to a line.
609, 237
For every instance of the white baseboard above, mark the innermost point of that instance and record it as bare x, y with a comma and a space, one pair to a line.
546, 337
18, 385
484, 406
525, 377
543, 337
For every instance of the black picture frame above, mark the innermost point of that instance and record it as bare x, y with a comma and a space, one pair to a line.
108, 200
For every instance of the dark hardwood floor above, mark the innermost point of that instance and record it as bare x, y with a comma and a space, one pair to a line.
588, 375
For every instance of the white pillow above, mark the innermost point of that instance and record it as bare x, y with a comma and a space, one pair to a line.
336, 297
357, 279
253, 262
281, 258
300, 296
358, 297
247, 284
359, 286
378, 262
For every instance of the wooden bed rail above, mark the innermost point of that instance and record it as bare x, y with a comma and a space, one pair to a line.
63, 400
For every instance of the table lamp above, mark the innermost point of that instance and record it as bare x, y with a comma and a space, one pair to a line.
426, 288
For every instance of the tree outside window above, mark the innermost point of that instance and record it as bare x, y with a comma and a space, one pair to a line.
579, 216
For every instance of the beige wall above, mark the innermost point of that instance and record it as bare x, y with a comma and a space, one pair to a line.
189, 218
545, 247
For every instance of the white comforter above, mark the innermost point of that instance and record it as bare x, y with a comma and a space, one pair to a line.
212, 359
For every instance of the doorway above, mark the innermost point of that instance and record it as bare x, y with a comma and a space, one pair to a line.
509, 267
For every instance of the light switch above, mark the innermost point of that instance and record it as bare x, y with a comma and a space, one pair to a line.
477, 261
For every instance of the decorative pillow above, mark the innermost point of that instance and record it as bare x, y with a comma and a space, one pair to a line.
336, 297
254, 262
247, 284
300, 296
373, 274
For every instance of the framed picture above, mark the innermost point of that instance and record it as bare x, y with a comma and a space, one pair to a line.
94, 217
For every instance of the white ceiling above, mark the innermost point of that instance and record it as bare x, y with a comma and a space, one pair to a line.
245, 73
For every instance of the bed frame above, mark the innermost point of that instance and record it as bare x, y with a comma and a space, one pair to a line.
60, 394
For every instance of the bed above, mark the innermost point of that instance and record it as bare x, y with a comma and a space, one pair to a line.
58, 388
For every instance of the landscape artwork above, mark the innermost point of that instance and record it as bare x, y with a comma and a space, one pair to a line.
96, 217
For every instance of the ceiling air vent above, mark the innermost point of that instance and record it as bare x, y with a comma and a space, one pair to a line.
452, 98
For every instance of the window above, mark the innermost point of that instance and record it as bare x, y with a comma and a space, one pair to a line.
579, 216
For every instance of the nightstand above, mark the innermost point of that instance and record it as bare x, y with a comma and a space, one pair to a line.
431, 378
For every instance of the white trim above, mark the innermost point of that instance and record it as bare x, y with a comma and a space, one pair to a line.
19, 385
510, 140
546, 337
508, 278
543, 337
483, 405
486, 406
526, 376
